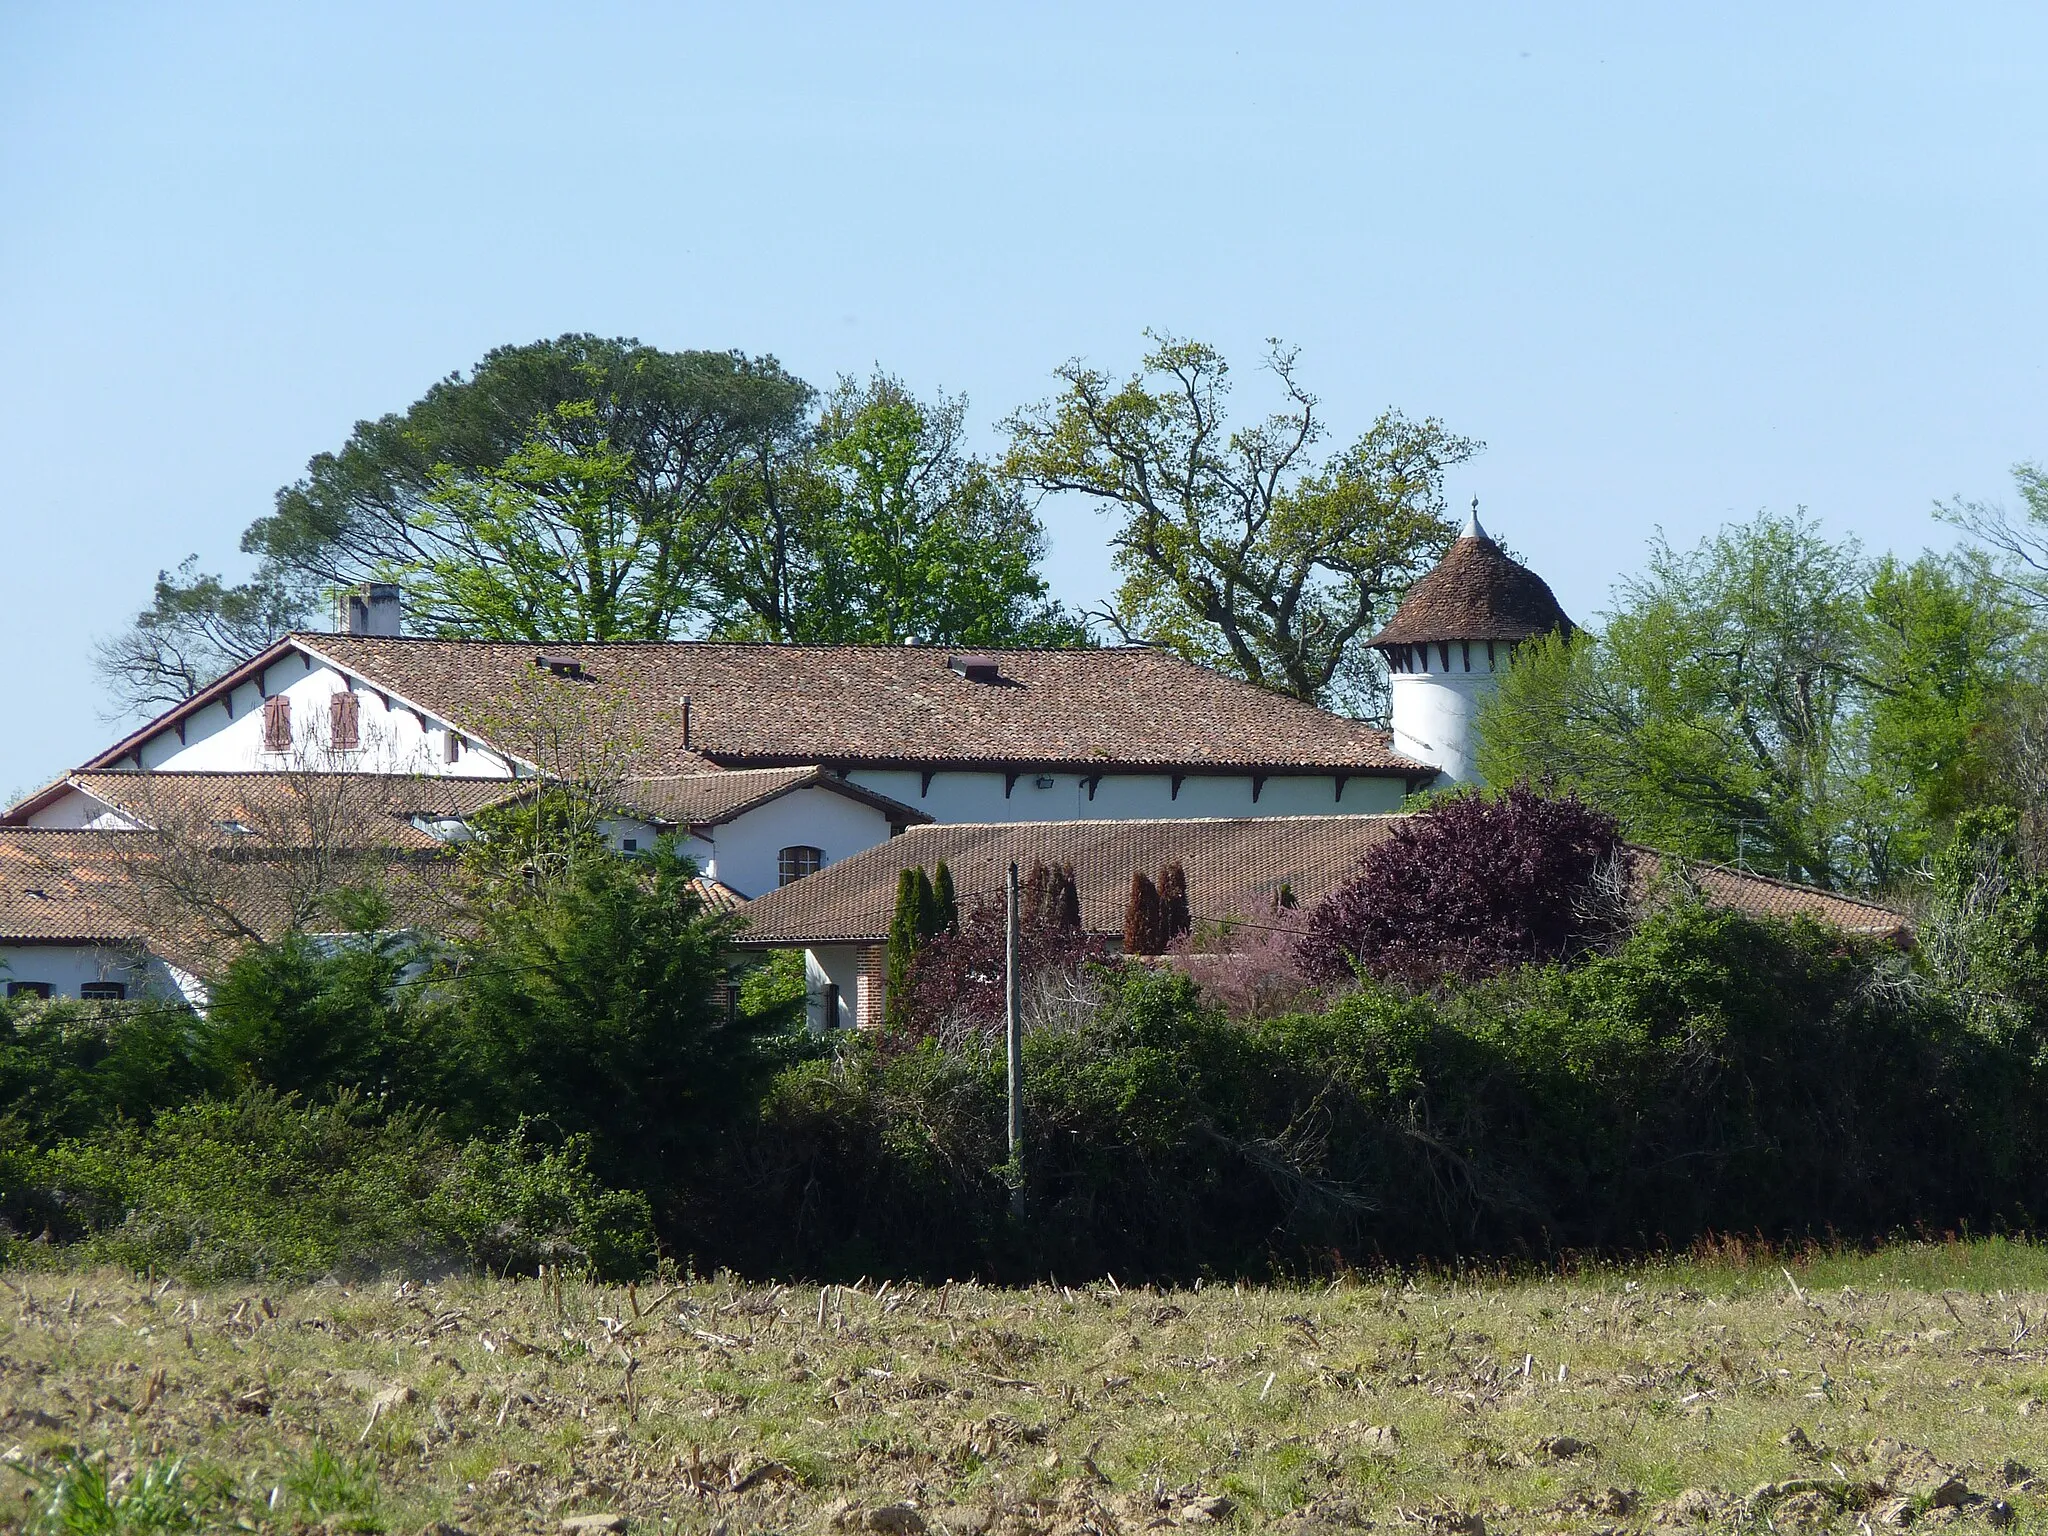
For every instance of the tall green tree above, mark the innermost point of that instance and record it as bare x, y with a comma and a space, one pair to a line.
1771, 697
1244, 547
593, 458
876, 527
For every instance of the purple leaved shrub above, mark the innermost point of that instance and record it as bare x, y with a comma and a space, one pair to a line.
1473, 886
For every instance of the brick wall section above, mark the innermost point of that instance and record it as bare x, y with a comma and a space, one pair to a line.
874, 986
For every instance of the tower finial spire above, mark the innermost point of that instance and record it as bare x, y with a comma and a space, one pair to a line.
1472, 528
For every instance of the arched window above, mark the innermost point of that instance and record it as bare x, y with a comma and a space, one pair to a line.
795, 862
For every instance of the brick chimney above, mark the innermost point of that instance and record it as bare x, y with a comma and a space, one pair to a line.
368, 608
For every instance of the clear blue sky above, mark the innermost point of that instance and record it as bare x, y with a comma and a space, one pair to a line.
1674, 264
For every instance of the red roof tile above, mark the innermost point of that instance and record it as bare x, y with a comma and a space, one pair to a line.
1235, 868
1475, 593
774, 705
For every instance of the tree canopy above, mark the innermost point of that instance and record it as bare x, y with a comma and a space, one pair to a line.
875, 526
593, 489
1773, 698
1243, 547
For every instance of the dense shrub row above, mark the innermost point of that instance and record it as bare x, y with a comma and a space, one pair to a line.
1712, 1073
564, 1088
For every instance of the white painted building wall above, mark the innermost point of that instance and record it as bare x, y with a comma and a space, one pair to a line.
747, 849
67, 967
980, 797
227, 735
1435, 713
834, 965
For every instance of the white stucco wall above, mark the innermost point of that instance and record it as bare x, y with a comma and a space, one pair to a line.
838, 964
1128, 796
75, 810
394, 739
1435, 713
746, 848
67, 967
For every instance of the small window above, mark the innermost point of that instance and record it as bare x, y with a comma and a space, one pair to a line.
451, 752
29, 989
344, 715
104, 991
277, 724
629, 844
794, 863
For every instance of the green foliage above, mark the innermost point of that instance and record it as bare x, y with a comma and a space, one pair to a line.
589, 1004
78, 1499
1712, 1073
596, 454
1985, 934
69, 1069
909, 925
339, 1492
946, 903
1241, 548
265, 1186
875, 526
772, 993
308, 1016
1770, 698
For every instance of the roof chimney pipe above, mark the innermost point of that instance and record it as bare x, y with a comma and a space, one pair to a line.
368, 608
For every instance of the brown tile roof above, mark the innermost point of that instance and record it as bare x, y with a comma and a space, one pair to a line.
1235, 868
47, 885
354, 810
1475, 593
716, 895
771, 705
712, 799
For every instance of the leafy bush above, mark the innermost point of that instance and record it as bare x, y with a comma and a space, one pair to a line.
1470, 887
265, 1186
1711, 1073
955, 988
67, 1069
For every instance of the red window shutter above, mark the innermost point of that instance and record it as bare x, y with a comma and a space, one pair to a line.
344, 713
277, 724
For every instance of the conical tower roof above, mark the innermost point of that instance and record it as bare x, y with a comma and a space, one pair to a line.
1475, 593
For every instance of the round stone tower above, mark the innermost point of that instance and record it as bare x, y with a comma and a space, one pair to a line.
1452, 636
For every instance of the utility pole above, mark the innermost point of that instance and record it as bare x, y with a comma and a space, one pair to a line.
1013, 1031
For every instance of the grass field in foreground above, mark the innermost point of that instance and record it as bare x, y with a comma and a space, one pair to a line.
1853, 1393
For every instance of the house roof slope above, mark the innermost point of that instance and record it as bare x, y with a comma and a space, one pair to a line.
48, 881
713, 799
1475, 593
1236, 868
758, 706
356, 810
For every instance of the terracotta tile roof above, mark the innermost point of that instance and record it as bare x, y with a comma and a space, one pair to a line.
1475, 593
1235, 868
712, 799
353, 810
716, 895
757, 706
194, 907
47, 881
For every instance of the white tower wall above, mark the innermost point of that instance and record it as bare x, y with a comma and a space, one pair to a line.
1435, 711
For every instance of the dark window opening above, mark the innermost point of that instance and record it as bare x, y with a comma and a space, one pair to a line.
104, 991
829, 1005
796, 862
453, 751
629, 844
29, 989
